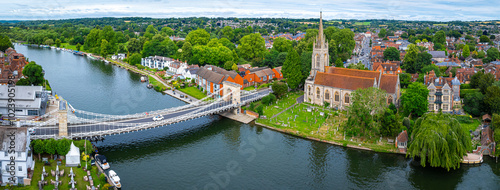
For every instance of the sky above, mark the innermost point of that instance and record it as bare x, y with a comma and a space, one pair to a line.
431, 10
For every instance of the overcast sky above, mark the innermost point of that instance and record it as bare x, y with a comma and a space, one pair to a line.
435, 10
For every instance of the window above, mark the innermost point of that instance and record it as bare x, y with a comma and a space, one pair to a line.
6, 154
19, 154
446, 98
6, 167
431, 107
389, 100
432, 90
309, 90
346, 98
317, 60
445, 107
390, 72
431, 98
317, 92
327, 95
32, 112
337, 96
445, 91
20, 168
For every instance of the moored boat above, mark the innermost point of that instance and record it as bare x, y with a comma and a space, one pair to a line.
114, 179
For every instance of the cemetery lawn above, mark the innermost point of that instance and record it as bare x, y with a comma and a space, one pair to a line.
317, 123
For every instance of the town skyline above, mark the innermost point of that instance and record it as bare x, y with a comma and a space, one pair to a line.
425, 10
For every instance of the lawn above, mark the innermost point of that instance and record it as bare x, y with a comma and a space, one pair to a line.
440, 24
194, 92
80, 184
67, 46
154, 82
468, 123
283, 103
362, 23
250, 88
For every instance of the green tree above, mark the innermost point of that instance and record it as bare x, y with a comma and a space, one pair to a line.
493, 55
474, 80
438, 139
410, 63
281, 44
58, 42
234, 67
485, 82
39, 147
492, 99
252, 46
49, 42
50, 147
292, 69
134, 46
78, 47
382, 33
279, 89
414, 100
228, 65
150, 32
104, 48
34, 73
187, 53
484, 38
366, 106
345, 42
63, 146
339, 63
305, 63
466, 51
167, 31
391, 54
474, 103
198, 37
135, 59
404, 80
5, 43
439, 37
227, 32
390, 125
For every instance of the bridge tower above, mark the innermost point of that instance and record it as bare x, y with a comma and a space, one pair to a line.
63, 118
235, 97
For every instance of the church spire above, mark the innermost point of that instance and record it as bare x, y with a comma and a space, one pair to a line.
321, 26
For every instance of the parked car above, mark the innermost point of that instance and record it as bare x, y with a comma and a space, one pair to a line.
158, 118
182, 96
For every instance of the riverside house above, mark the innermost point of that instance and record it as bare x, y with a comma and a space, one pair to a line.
15, 155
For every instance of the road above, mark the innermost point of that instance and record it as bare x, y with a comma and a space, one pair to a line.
364, 55
95, 127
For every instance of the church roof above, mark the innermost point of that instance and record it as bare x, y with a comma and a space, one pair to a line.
354, 79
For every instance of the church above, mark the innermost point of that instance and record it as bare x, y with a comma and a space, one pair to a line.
335, 85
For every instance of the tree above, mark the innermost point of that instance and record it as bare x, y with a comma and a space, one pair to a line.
404, 80
390, 126
228, 65
292, 69
58, 42
281, 44
345, 42
63, 146
339, 63
484, 38
5, 43
39, 147
485, 82
279, 89
366, 106
306, 60
466, 51
34, 73
134, 46
186, 53
227, 32
49, 42
198, 37
493, 54
50, 147
104, 48
414, 100
382, 33
359, 66
134, 59
474, 103
474, 80
78, 46
439, 37
234, 67
410, 59
252, 46
167, 31
150, 32
438, 139
391, 54
492, 99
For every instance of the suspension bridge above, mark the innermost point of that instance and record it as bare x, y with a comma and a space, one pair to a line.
69, 122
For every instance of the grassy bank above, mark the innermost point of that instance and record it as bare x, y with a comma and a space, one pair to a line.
158, 86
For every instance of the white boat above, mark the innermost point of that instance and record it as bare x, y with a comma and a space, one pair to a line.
101, 160
115, 179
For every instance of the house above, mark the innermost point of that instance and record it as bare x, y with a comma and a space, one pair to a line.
11, 65
464, 74
15, 155
29, 101
334, 85
190, 72
119, 56
210, 78
438, 56
156, 62
387, 67
428, 45
443, 92
402, 141
176, 67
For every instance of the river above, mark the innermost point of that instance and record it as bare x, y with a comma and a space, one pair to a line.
218, 153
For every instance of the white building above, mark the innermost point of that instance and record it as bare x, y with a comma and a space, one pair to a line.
156, 62
119, 56
15, 155
29, 100
176, 67
190, 72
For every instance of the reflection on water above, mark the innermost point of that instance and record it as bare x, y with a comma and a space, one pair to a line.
218, 153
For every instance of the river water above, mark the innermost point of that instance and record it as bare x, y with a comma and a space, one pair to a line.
218, 153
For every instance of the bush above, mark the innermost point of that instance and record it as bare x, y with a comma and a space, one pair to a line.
106, 186
260, 110
464, 92
252, 106
265, 100
140, 66
463, 119
102, 178
272, 98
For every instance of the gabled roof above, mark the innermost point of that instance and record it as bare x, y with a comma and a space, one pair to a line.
437, 54
403, 136
343, 81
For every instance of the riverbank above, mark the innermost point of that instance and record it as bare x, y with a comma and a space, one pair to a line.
290, 116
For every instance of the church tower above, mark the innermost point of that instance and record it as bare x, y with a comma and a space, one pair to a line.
320, 56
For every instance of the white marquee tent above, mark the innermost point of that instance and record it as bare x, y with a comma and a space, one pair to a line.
73, 156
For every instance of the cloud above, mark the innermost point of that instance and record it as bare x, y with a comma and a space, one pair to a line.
339, 9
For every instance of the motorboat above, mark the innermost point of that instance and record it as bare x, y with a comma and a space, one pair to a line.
101, 161
114, 179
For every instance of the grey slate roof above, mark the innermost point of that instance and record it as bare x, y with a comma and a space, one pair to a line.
20, 138
437, 54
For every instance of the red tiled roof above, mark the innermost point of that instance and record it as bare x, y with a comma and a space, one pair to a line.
343, 81
403, 136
